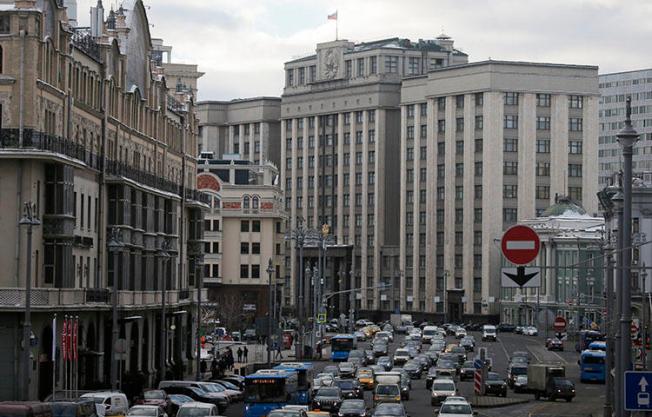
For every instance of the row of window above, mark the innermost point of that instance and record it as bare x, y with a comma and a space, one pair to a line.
331, 140
246, 128
329, 120
330, 180
509, 191
331, 200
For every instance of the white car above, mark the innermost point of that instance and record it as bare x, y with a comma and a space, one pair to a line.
401, 356
442, 389
456, 407
530, 331
192, 409
146, 411
460, 333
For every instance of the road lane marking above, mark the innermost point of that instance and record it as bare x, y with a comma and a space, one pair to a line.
533, 354
559, 356
504, 350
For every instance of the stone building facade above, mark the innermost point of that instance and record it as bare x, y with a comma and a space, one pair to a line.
96, 143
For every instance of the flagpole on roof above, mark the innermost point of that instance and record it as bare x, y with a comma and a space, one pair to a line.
337, 22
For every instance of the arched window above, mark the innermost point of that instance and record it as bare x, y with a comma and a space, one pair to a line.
254, 202
245, 202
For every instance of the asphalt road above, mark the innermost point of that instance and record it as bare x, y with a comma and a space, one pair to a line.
588, 401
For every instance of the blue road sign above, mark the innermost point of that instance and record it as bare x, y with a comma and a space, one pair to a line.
638, 390
477, 364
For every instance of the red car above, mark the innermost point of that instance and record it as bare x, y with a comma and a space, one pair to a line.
554, 344
154, 397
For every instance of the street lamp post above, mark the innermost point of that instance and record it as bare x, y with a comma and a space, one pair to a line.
164, 255
299, 235
200, 286
351, 300
627, 138
270, 310
115, 245
29, 219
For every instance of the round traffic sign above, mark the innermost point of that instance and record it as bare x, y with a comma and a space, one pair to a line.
559, 324
520, 244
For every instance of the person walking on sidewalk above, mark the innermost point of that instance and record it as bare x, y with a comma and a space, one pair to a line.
245, 353
239, 355
277, 347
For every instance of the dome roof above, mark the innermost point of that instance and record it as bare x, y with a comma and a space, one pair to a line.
564, 206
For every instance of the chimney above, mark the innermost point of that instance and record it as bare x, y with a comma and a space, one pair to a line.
97, 20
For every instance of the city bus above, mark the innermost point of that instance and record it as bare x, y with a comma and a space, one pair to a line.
341, 345
592, 366
586, 337
304, 372
269, 390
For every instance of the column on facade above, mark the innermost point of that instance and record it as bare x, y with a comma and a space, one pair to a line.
316, 171
352, 208
379, 206
304, 171
416, 209
241, 142
231, 139
127, 364
450, 197
527, 156
551, 272
365, 201
403, 209
291, 224
141, 344
559, 146
431, 208
468, 202
263, 137
589, 151
340, 179
252, 143
493, 111
294, 210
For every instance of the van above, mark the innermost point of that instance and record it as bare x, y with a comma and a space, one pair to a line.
428, 333
25, 409
109, 403
387, 393
488, 333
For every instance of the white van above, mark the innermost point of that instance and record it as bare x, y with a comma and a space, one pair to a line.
428, 333
488, 333
109, 403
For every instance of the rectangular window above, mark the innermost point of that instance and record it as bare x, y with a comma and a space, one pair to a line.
414, 66
423, 131
543, 169
510, 191
459, 192
511, 99
510, 121
477, 215
459, 216
543, 146
441, 126
459, 170
459, 147
360, 66
289, 78
244, 248
479, 99
576, 102
423, 153
477, 238
479, 122
477, 194
440, 217
441, 103
441, 148
244, 225
255, 226
543, 100
409, 132
510, 168
575, 147
440, 193
313, 73
574, 170
348, 68
409, 154
543, 192
543, 123
391, 64
244, 271
575, 194
459, 124
255, 271
509, 215
423, 109
302, 79
510, 145
459, 101
441, 171
373, 65
410, 111
575, 124
478, 145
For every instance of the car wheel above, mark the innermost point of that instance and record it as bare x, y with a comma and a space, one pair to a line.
433, 403
537, 396
569, 399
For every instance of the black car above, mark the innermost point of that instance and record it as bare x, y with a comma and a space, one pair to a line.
413, 369
327, 399
353, 408
460, 353
467, 370
386, 362
431, 376
347, 369
561, 388
494, 384
467, 344
390, 410
350, 388
380, 349
370, 356
555, 344
506, 328
358, 354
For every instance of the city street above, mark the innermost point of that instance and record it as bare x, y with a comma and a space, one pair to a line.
589, 397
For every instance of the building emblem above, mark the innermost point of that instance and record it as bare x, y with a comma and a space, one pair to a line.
208, 182
331, 64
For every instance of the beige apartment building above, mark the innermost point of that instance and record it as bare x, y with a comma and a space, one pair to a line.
97, 143
181, 78
483, 146
249, 128
340, 114
244, 230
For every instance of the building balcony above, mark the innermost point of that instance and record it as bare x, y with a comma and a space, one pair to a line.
212, 281
54, 298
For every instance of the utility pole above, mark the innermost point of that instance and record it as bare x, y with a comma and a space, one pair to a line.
164, 255
200, 286
627, 138
352, 300
618, 365
29, 219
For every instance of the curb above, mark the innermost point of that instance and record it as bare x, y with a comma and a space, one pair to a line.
495, 404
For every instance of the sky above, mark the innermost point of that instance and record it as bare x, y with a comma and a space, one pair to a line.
241, 45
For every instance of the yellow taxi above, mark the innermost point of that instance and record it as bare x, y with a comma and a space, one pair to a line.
450, 347
366, 378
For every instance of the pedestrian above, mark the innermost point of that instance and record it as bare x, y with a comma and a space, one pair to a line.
245, 353
239, 355
278, 351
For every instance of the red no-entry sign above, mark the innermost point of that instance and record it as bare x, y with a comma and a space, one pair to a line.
520, 244
559, 324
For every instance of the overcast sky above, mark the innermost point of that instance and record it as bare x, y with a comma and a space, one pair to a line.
241, 44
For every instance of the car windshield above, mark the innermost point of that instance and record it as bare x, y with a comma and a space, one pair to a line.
180, 398
563, 382
443, 386
229, 385
352, 405
154, 395
356, 354
193, 412
328, 392
284, 413
402, 352
387, 390
493, 376
390, 410
144, 411
212, 387
455, 408
345, 384
445, 364
519, 370
468, 364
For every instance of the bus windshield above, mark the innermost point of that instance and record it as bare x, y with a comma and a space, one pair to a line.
342, 344
590, 359
265, 390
